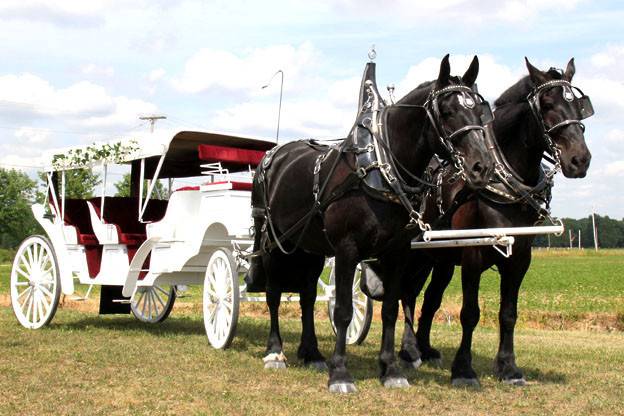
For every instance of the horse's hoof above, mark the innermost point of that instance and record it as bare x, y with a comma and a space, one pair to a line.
342, 387
396, 383
515, 381
320, 366
465, 382
274, 365
434, 362
275, 360
411, 364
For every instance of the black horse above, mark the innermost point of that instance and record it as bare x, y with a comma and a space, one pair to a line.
540, 113
311, 201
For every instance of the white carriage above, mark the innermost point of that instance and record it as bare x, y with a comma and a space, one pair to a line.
139, 248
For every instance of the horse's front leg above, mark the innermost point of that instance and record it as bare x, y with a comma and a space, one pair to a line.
340, 381
462, 373
391, 374
409, 353
440, 279
512, 273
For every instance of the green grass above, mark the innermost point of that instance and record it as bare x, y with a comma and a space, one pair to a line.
85, 364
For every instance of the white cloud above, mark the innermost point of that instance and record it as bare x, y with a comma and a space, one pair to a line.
156, 74
297, 121
406, 11
98, 70
493, 79
32, 135
81, 104
615, 168
221, 70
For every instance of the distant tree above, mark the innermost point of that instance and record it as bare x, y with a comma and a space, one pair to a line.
17, 193
79, 183
123, 188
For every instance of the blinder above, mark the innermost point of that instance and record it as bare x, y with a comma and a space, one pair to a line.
468, 98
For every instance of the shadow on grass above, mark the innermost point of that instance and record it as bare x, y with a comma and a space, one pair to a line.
252, 335
176, 326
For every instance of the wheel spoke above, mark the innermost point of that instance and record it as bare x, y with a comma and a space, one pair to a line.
156, 307
40, 308
26, 291
161, 290
26, 264
44, 300
159, 299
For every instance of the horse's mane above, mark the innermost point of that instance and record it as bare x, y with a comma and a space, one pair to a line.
513, 101
420, 93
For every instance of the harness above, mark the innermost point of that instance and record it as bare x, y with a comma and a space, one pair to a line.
377, 170
509, 187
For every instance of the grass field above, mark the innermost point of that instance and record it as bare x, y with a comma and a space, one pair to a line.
86, 364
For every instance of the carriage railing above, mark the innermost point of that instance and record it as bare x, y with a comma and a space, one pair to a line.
501, 239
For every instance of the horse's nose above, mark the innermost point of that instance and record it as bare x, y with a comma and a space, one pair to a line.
581, 162
479, 174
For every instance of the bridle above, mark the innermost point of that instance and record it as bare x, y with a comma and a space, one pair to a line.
584, 109
469, 99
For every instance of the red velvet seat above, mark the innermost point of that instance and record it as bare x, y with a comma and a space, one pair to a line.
123, 213
236, 186
211, 153
77, 215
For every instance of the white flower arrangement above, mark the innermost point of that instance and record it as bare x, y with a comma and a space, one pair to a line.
102, 153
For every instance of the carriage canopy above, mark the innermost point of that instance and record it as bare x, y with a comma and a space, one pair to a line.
182, 153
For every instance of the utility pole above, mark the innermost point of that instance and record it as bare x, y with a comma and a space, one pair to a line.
594, 229
579, 238
152, 120
570, 236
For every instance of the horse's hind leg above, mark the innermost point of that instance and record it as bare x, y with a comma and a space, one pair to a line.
462, 373
512, 273
274, 357
311, 267
440, 279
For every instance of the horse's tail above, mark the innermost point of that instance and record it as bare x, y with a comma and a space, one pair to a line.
256, 277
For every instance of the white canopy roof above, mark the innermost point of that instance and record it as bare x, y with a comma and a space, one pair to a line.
180, 148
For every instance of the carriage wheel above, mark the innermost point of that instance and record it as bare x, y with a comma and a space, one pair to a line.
362, 309
35, 282
221, 299
153, 304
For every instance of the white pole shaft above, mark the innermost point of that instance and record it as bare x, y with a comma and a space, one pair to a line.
492, 232
485, 241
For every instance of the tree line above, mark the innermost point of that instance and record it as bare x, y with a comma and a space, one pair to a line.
18, 192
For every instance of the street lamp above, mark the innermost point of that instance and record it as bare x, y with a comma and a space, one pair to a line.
279, 110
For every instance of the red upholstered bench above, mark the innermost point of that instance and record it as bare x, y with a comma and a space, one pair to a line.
212, 153
236, 186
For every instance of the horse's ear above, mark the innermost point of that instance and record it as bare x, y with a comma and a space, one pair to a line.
445, 72
570, 70
538, 77
470, 76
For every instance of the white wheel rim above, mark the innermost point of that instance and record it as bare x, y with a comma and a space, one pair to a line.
150, 304
218, 299
360, 307
34, 283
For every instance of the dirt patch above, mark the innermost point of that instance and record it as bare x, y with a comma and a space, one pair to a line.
591, 321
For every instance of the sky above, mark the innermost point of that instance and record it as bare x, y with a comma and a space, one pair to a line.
74, 72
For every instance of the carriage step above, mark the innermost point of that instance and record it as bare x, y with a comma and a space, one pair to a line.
124, 301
